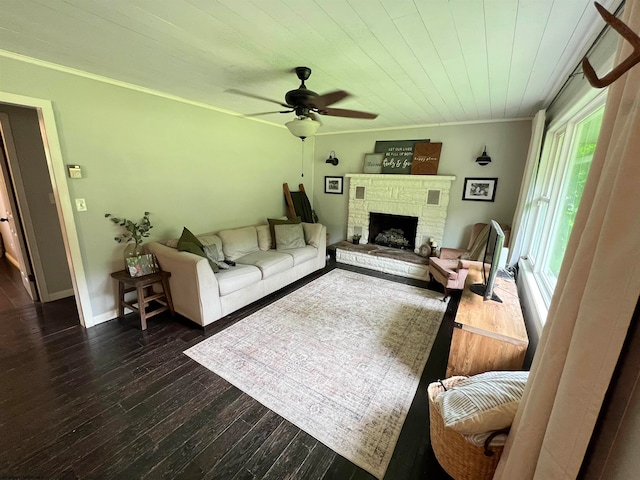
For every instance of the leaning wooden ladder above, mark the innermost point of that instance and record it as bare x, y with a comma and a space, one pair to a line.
298, 204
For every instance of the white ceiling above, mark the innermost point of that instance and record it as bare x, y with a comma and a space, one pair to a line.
413, 62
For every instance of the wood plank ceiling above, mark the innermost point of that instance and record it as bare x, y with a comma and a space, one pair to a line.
413, 62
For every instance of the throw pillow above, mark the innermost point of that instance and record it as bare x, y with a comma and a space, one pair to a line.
277, 221
483, 402
264, 237
239, 242
211, 252
312, 233
188, 242
289, 236
212, 239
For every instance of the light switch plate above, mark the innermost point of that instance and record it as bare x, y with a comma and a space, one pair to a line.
81, 205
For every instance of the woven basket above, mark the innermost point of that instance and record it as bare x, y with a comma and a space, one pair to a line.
459, 458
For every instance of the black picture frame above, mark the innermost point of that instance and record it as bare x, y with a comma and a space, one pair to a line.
479, 189
333, 184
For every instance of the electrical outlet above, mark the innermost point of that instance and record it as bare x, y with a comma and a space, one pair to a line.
81, 205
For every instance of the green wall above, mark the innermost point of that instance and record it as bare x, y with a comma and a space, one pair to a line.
194, 166
188, 165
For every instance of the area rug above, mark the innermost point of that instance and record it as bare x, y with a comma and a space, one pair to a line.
340, 358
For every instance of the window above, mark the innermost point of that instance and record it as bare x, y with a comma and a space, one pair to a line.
564, 166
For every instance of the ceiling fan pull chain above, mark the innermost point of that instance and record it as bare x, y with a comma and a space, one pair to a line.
302, 160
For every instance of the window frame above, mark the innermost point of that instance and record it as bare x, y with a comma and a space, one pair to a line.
552, 174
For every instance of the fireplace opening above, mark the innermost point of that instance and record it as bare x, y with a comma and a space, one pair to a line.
397, 231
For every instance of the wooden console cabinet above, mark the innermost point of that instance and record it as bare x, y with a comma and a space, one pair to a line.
487, 335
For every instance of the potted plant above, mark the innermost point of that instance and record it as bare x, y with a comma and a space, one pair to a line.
356, 238
133, 234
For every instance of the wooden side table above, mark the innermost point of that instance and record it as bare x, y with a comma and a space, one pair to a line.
143, 287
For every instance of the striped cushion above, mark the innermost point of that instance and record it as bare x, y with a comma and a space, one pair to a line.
482, 403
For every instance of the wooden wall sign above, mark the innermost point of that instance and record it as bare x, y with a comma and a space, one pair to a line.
398, 155
426, 157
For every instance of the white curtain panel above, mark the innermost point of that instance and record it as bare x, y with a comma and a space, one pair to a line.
523, 207
597, 291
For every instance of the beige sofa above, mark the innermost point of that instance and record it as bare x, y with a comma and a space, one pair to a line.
204, 296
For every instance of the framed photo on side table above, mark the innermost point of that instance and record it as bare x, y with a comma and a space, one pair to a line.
480, 189
333, 185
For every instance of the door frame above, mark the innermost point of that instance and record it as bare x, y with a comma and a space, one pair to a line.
57, 175
24, 257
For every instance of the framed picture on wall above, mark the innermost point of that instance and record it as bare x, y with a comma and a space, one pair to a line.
333, 185
479, 189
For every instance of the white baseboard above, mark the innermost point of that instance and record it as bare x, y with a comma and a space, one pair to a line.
104, 317
62, 294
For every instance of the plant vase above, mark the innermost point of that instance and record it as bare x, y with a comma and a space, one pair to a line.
130, 251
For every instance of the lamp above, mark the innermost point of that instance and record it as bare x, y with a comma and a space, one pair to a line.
333, 160
483, 159
303, 127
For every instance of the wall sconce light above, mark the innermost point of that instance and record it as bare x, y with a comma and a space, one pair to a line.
333, 160
483, 159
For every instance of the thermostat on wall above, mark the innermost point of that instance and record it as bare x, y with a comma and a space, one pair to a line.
74, 171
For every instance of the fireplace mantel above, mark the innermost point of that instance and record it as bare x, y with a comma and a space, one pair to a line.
374, 177
422, 196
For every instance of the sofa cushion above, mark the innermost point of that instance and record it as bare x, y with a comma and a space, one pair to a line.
301, 255
264, 237
289, 236
483, 402
239, 242
189, 243
312, 233
269, 263
279, 221
237, 278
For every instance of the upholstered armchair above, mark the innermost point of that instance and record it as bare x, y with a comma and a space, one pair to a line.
450, 273
451, 268
477, 242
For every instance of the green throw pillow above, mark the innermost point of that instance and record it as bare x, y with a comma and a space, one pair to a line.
188, 242
277, 221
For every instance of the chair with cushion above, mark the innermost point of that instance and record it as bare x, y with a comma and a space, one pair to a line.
451, 274
477, 243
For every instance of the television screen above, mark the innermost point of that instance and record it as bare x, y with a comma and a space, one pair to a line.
493, 249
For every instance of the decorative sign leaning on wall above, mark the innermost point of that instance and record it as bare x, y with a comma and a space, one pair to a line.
398, 155
373, 163
426, 157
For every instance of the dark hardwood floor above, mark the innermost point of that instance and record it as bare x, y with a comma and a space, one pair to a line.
115, 402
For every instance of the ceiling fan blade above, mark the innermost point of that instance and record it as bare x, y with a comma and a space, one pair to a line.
327, 99
258, 97
341, 112
266, 113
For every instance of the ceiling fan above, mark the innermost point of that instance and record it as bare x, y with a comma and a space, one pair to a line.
306, 104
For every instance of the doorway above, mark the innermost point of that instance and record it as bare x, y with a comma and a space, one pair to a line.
57, 196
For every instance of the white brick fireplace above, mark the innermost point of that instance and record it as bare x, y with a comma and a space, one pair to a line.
423, 196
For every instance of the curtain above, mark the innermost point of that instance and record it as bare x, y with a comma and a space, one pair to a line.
523, 207
590, 313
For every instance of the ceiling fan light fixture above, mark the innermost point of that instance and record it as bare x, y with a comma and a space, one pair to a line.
483, 159
303, 127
